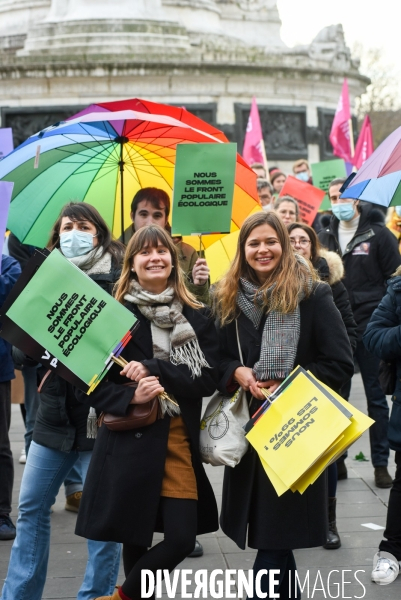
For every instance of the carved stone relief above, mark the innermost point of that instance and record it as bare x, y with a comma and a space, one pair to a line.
27, 122
284, 130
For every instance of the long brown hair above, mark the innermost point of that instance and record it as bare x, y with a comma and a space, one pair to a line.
149, 237
290, 276
82, 211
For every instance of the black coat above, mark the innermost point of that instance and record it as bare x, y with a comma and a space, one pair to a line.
122, 489
365, 274
327, 267
291, 520
383, 338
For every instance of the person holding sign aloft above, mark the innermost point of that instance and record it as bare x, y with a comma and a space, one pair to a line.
151, 206
60, 432
152, 478
285, 318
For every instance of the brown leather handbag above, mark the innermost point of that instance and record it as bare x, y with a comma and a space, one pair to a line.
138, 415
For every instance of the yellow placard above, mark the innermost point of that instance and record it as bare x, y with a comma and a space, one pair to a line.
276, 482
297, 429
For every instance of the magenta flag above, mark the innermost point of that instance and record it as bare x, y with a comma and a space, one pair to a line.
340, 134
364, 145
252, 151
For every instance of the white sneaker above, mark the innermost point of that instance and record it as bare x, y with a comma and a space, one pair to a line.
386, 571
22, 458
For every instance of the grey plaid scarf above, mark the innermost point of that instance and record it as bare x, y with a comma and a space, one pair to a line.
280, 333
173, 337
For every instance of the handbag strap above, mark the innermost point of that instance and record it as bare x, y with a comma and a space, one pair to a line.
238, 342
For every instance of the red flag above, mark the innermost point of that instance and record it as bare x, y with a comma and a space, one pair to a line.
340, 134
364, 145
253, 144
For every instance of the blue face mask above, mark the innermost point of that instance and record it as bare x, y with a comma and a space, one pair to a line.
343, 212
398, 210
303, 176
75, 243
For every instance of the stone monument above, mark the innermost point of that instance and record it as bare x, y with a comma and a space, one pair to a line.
210, 56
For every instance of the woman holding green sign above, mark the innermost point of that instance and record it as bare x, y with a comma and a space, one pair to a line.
152, 479
60, 432
285, 318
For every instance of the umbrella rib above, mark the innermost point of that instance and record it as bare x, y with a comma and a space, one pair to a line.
69, 153
52, 196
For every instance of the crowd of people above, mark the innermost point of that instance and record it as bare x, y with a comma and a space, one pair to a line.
290, 288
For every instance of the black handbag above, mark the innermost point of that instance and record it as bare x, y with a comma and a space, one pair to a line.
387, 376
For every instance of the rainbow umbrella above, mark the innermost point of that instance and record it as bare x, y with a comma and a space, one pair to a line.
221, 252
378, 180
104, 157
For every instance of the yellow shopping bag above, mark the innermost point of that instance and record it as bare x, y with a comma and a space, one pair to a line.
298, 428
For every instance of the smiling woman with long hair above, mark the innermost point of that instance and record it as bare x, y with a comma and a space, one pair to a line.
152, 479
286, 317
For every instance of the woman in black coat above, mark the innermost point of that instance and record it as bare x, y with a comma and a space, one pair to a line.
330, 268
152, 479
267, 285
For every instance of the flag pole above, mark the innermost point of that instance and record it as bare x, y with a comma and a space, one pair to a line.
121, 164
351, 138
266, 164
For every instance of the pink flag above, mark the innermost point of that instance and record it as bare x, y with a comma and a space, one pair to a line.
364, 145
253, 151
340, 137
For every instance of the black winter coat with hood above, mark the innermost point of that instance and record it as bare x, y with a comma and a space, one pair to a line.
331, 269
370, 258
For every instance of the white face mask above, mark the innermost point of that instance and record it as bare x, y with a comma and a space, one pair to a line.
303, 176
76, 243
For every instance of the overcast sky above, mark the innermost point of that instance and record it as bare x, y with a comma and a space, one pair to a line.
373, 23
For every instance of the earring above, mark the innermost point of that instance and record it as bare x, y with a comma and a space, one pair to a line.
133, 270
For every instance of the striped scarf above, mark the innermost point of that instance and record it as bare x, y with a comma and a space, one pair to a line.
173, 337
280, 335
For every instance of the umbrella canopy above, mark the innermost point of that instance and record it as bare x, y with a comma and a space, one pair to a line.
378, 180
104, 158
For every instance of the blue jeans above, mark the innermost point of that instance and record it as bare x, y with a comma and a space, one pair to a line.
73, 481
377, 404
44, 473
283, 561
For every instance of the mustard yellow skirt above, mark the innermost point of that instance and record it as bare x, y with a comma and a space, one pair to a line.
179, 479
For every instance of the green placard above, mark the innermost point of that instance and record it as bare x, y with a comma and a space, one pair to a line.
203, 188
71, 316
323, 173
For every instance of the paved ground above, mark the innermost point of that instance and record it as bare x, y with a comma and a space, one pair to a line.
359, 502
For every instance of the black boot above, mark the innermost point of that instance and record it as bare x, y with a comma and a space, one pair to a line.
342, 472
333, 539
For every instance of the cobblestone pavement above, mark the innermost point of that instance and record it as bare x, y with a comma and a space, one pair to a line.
359, 502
